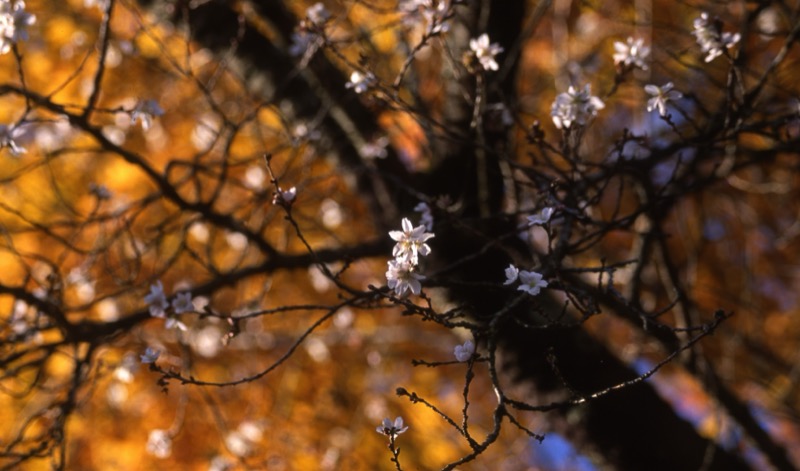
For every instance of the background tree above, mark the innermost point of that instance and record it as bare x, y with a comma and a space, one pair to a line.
199, 200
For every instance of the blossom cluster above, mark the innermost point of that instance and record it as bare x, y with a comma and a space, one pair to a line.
14, 22
530, 282
575, 107
431, 14
317, 14
710, 37
158, 305
402, 273
309, 34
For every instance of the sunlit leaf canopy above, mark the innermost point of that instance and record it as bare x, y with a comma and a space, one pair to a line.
99, 209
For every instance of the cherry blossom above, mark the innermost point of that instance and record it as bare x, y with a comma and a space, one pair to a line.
392, 429
661, 95
485, 52
317, 13
359, 82
575, 107
156, 300
429, 13
285, 197
710, 37
182, 303
631, 53
14, 22
401, 277
145, 111
512, 273
464, 352
150, 355
531, 282
410, 242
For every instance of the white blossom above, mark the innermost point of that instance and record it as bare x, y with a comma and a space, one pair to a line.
464, 352
392, 429
8, 135
285, 197
410, 242
360, 83
289, 195
150, 355
631, 53
485, 52
512, 273
14, 22
156, 300
317, 13
145, 111
401, 277
431, 14
159, 443
531, 282
182, 303
542, 218
710, 37
575, 107
661, 95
